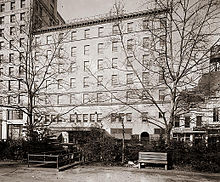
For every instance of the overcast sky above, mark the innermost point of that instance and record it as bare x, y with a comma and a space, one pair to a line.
71, 9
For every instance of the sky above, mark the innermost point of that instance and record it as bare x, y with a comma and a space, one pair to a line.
72, 9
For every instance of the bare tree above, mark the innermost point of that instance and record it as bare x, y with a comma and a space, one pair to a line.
176, 54
29, 69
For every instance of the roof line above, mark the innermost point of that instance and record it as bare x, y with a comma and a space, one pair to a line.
106, 19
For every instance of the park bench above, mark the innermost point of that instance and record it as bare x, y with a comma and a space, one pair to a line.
152, 158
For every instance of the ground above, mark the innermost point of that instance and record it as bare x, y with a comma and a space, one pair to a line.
21, 173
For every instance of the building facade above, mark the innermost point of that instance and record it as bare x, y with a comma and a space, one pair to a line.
16, 18
98, 82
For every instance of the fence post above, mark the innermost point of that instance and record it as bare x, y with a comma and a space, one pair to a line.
44, 158
28, 160
58, 162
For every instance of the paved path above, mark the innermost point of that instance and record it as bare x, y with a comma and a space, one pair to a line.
18, 173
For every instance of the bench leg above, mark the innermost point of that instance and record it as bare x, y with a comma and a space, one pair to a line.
165, 167
139, 165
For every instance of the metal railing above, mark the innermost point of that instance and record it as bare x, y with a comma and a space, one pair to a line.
59, 160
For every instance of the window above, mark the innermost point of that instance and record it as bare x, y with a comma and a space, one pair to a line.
85, 98
22, 42
100, 97
86, 33
1, 45
159, 131
215, 115
11, 44
177, 121
22, 29
128, 117
145, 77
99, 117
49, 54
72, 67
22, 3
47, 118
21, 56
161, 76
73, 51
85, 117
146, 42
73, 35
100, 48
114, 62
49, 39
121, 117
73, 118
14, 114
37, 40
132, 94
72, 98
22, 16
114, 46
99, 80
100, 31
86, 50
115, 29
2, 7
21, 70
187, 121
198, 121
11, 57
144, 117
59, 83
129, 61
37, 56
1, 58
61, 68
12, 5
72, 82
60, 36
114, 80
92, 117
1, 72
86, 82
59, 99
130, 27
145, 24
130, 44
1, 32
86, 65
79, 118
61, 52
113, 97
146, 62
162, 95
100, 64
130, 78
12, 18
10, 71
113, 117
1, 20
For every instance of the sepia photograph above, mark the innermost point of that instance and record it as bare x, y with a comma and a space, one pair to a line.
110, 90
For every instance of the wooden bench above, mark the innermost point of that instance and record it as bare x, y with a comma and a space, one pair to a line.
152, 158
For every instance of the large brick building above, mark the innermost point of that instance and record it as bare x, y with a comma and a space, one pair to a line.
15, 19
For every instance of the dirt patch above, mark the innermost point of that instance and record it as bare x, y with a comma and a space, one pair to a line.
90, 173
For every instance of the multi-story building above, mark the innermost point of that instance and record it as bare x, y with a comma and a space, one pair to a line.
16, 18
100, 82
